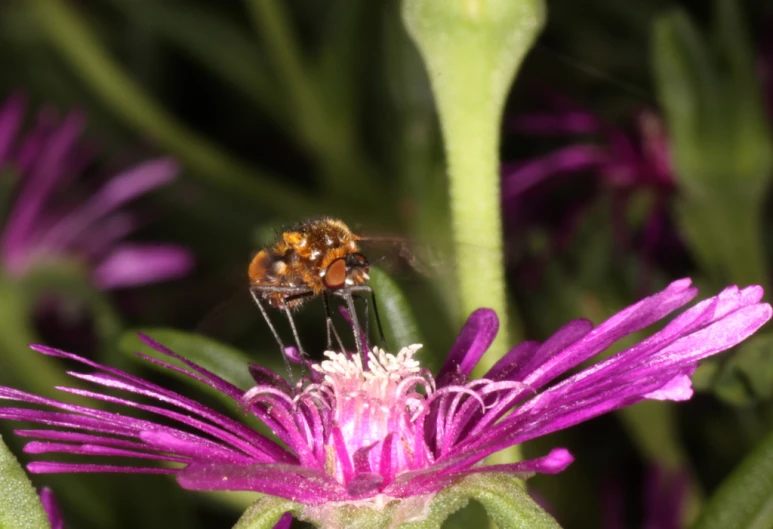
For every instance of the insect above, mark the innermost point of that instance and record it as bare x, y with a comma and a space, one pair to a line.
316, 257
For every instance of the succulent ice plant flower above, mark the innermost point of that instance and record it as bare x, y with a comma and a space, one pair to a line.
386, 431
51, 216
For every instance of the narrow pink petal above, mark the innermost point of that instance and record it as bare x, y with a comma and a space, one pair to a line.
285, 521
51, 506
572, 159
120, 189
48, 467
136, 264
678, 388
37, 188
39, 447
475, 338
295, 483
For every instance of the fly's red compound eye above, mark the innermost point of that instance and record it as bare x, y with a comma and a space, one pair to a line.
335, 276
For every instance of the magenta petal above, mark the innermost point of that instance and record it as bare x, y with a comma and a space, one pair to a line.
575, 158
294, 483
120, 189
678, 388
47, 467
509, 366
137, 181
10, 120
518, 363
285, 521
133, 265
38, 186
632, 319
476, 336
364, 484
51, 506
554, 462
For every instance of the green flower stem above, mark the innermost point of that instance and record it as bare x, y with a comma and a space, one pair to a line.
73, 39
472, 49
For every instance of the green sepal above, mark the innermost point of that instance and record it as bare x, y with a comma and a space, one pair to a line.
745, 498
265, 513
501, 495
20, 507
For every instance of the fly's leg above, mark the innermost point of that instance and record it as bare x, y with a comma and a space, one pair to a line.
346, 293
330, 328
288, 294
259, 303
365, 289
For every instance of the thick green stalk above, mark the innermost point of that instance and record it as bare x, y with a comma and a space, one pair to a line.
472, 49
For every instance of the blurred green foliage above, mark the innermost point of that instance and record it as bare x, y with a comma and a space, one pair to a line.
283, 109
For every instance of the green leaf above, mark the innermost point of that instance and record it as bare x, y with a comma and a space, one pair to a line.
223, 360
396, 315
75, 41
193, 28
688, 89
747, 376
20, 507
745, 498
722, 153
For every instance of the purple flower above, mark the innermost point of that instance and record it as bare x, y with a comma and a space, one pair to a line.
624, 160
626, 163
387, 428
48, 219
51, 506
665, 499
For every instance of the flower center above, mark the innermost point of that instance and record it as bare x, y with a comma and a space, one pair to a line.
373, 411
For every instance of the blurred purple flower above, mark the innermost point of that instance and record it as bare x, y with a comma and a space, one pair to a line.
45, 221
388, 429
623, 160
625, 163
51, 507
665, 497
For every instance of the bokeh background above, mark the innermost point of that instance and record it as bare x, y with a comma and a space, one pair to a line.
632, 154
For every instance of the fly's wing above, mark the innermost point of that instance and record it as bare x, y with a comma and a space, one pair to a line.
231, 319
